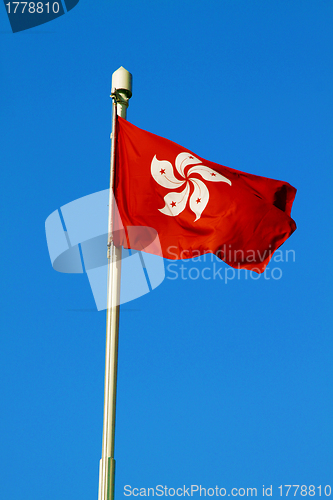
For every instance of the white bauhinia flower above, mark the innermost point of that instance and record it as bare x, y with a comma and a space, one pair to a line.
175, 202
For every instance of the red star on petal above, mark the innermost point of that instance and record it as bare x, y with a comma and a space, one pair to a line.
191, 158
212, 174
198, 200
162, 171
173, 203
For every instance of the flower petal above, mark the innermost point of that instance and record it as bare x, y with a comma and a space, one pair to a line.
183, 160
208, 174
199, 197
175, 202
162, 171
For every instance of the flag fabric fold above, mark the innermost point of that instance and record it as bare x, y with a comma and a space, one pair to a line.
197, 206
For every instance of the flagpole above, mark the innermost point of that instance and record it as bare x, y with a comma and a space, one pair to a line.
121, 93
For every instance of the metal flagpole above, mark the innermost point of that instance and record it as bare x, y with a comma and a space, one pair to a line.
121, 93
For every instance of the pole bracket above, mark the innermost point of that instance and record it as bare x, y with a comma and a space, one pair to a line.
120, 96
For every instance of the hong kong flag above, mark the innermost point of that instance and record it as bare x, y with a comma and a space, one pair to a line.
197, 206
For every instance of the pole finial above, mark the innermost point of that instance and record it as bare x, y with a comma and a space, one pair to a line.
122, 82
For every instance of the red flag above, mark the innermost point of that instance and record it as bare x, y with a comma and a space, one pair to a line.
197, 206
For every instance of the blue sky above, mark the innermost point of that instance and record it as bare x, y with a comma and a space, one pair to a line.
219, 384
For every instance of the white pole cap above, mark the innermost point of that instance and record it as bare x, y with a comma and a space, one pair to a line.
122, 81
